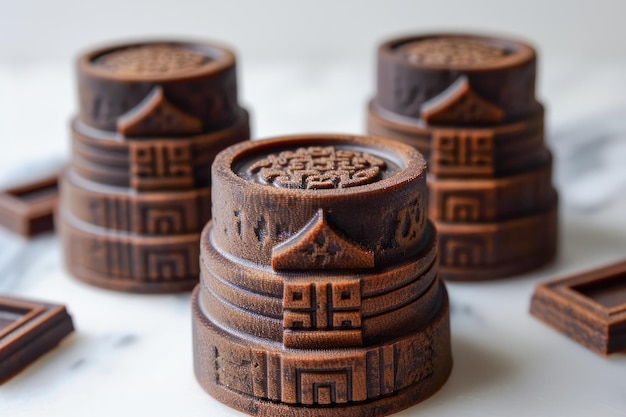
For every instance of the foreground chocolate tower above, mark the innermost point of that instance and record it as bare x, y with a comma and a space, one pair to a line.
319, 293
137, 193
468, 104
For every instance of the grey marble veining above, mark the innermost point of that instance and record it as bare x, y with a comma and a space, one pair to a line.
132, 354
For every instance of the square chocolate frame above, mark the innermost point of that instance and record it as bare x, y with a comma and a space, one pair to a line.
589, 308
28, 210
28, 329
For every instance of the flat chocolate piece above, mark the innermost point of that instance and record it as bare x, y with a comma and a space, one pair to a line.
28, 329
319, 291
152, 118
589, 308
467, 102
28, 209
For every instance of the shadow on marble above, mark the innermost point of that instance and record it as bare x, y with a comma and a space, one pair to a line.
52, 365
475, 370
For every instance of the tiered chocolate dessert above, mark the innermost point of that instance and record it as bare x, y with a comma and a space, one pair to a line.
468, 104
137, 193
319, 293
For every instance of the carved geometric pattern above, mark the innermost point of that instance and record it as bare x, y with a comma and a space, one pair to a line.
461, 208
381, 370
462, 153
156, 116
318, 168
459, 104
322, 315
110, 212
232, 370
114, 258
410, 220
164, 220
166, 265
298, 378
318, 246
323, 387
464, 251
158, 166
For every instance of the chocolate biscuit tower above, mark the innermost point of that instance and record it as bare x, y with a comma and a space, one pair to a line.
137, 192
319, 293
468, 104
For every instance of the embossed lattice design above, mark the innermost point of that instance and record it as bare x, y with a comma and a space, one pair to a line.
160, 166
318, 168
322, 314
462, 152
454, 51
146, 60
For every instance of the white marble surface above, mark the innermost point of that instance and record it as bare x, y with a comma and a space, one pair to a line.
131, 354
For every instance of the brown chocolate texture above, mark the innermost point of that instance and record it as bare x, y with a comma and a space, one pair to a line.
137, 193
467, 102
589, 308
28, 210
319, 289
29, 329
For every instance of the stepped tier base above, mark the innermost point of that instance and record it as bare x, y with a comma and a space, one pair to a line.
261, 377
479, 252
128, 262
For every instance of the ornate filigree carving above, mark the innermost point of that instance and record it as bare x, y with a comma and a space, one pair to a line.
318, 168
151, 59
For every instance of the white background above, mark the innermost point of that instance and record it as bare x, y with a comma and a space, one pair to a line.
306, 30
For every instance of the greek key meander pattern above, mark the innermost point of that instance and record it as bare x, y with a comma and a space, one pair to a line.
462, 151
159, 165
318, 168
142, 263
313, 307
369, 374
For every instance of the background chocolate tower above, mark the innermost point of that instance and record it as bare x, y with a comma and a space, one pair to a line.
137, 193
319, 292
468, 104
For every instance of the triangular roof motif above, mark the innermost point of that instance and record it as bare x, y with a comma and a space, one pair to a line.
156, 116
318, 246
460, 105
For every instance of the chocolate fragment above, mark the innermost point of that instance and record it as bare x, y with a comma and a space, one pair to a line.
467, 102
319, 291
589, 308
137, 193
28, 209
28, 329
